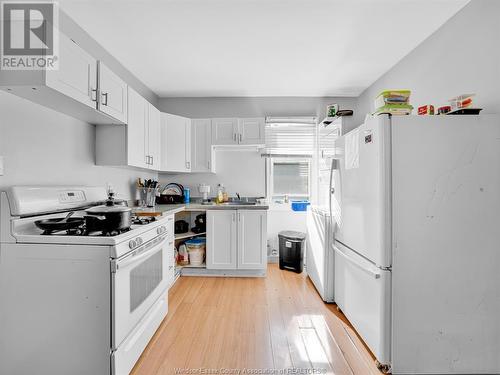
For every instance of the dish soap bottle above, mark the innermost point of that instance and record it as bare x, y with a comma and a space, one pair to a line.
220, 193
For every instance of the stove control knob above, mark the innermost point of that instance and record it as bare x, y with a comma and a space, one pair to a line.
139, 241
132, 244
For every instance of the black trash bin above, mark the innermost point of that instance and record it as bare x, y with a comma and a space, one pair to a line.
292, 246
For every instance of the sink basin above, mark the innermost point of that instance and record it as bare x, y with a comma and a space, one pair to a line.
238, 203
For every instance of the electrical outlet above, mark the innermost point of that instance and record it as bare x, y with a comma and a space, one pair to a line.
1, 165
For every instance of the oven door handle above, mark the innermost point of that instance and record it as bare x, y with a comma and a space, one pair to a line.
139, 254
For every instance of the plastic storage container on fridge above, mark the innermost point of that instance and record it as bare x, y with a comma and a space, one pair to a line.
291, 248
392, 97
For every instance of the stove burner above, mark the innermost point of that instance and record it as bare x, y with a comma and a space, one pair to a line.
142, 220
82, 231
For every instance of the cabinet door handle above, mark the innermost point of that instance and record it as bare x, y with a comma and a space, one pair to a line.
188, 165
92, 96
234, 137
105, 95
147, 159
239, 216
152, 160
208, 163
241, 137
233, 216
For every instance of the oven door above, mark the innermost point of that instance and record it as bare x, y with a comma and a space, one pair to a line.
138, 279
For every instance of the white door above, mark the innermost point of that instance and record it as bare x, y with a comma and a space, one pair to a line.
137, 130
224, 131
252, 238
221, 239
201, 145
113, 94
187, 144
154, 137
139, 278
251, 131
319, 253
77, 73
175, 143
361, 200
363, 293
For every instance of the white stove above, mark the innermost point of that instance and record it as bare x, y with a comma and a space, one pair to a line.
85, 304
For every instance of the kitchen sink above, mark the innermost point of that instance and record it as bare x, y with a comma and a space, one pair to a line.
238, 203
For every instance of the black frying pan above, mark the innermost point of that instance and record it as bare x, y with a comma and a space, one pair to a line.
54, 225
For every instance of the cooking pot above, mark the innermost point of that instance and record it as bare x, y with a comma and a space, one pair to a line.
108, 217
181, 226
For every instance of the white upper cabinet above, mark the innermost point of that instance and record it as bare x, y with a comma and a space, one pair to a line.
77, 73
112, 93
234, 131
251, 131
202, 159
252, 233
225, 131
137, 130
221, 239
136, 144
154, 137
73, 88
175, 143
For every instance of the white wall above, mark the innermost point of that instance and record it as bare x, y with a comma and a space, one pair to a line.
251, 106
460, 57
42, 146
242, 172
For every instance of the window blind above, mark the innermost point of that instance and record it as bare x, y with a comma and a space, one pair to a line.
290, 137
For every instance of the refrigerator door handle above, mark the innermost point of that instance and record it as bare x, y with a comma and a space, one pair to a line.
374, 274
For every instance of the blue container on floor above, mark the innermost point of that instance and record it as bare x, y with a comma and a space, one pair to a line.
300, 205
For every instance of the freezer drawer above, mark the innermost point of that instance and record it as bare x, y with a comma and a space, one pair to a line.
363, 292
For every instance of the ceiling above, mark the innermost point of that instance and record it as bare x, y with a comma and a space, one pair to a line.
198, 48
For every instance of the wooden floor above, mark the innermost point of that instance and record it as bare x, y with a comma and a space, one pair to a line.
275, 322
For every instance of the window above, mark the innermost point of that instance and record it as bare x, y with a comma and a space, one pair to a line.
290, 145
290, 178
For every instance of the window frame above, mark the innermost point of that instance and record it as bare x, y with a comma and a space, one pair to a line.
291, 160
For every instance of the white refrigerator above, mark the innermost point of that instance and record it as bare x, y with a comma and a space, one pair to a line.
319, 251
416, 201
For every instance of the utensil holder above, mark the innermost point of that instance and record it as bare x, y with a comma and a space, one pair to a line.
147, 196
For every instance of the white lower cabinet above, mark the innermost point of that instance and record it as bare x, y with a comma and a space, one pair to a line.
236, 239
252, 238
221, 239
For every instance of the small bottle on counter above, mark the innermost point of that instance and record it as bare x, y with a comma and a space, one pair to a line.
225, 197
220, 193
187, 195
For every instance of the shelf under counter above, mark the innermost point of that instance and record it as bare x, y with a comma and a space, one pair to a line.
181, 236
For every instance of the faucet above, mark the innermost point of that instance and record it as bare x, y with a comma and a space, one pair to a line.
238, 195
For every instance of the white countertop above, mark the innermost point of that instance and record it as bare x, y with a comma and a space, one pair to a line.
167, 209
